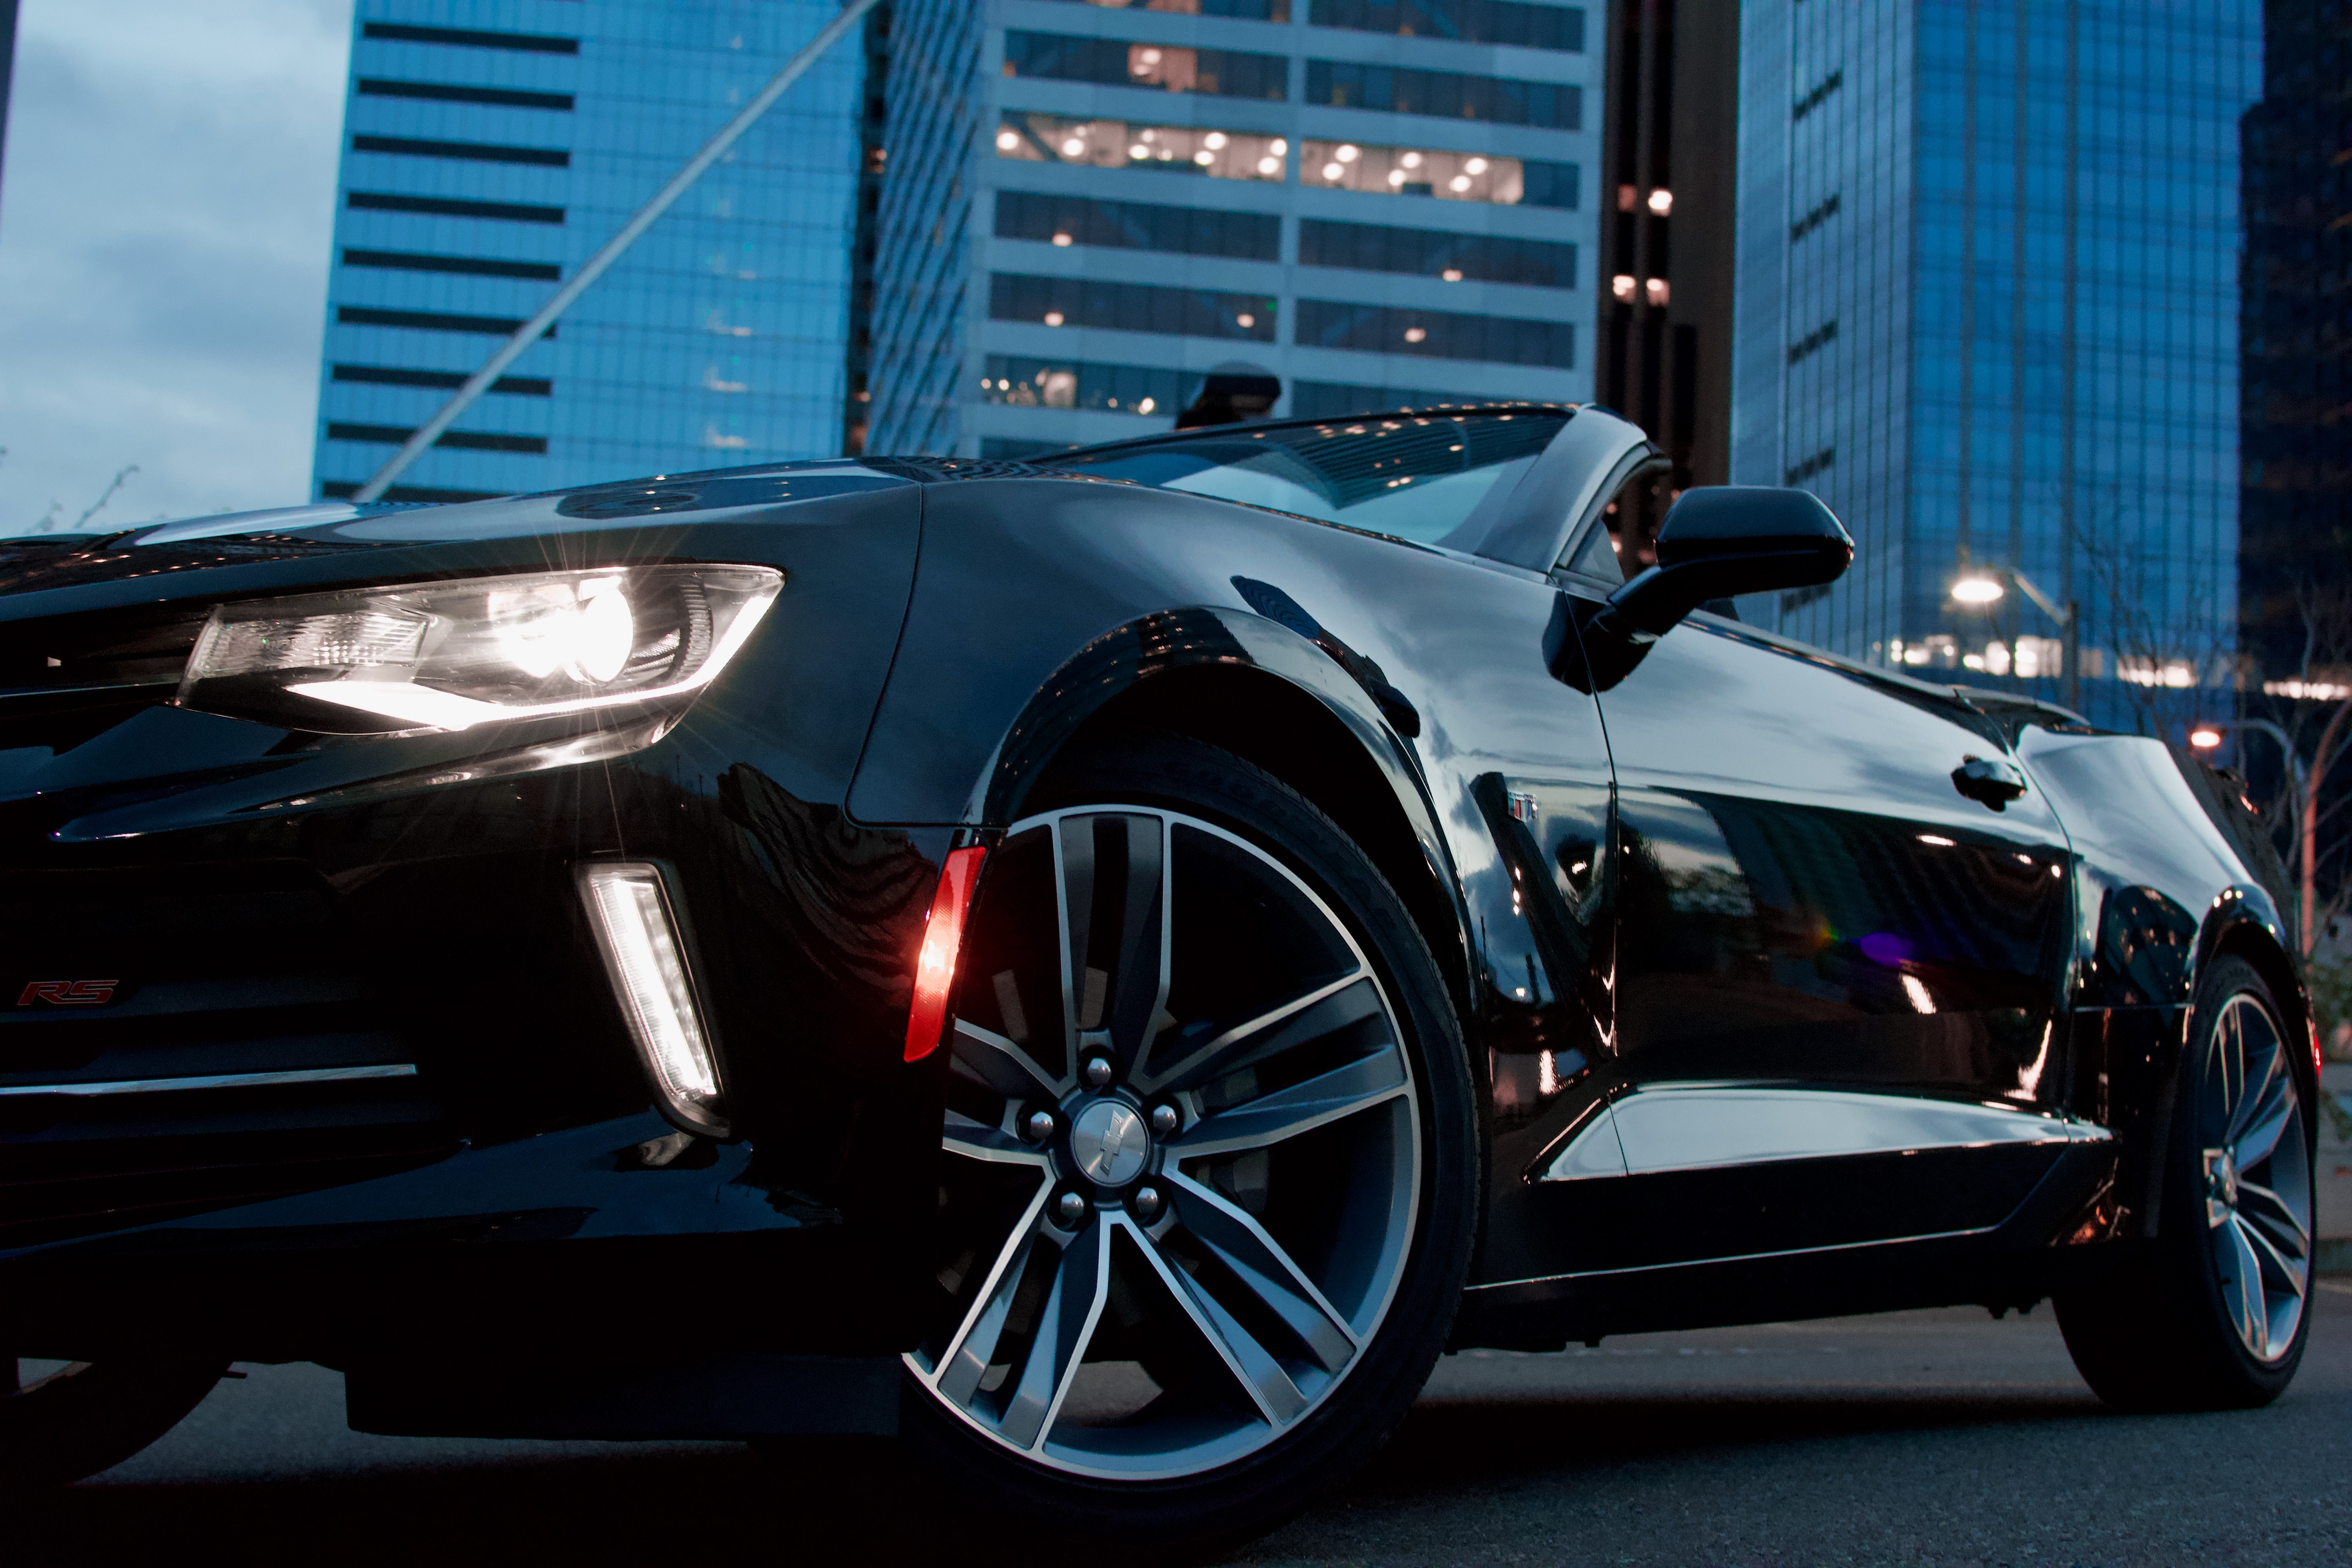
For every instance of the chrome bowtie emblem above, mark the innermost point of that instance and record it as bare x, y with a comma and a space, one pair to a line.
1109, 1140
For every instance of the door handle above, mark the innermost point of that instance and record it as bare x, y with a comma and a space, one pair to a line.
1990, 781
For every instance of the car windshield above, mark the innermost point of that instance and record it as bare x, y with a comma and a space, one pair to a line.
1409, 476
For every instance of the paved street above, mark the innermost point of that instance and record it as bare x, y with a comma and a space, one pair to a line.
1939, 1438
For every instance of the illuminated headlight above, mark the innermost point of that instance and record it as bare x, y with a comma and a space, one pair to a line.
448, 656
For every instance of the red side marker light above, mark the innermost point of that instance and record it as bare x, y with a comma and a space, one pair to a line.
935, 970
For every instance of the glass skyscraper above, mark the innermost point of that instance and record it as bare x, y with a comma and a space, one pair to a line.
492, 145
1987, 309
1089, 204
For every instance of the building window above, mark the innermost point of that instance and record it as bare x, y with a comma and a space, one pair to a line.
444, 93
1137, 225
1818, 95
1813, 343
459, 441
430, 321
448, 379
1140, 389
1436, 334
1471, 21
1221, 73
1820, 214
1130, 307
1820, 462
467, 37
1449, 177
1120, 144
344, 489
468, 265
471, 151
446, 207
1239, 10
1330, 399
1555, 106
1433, 253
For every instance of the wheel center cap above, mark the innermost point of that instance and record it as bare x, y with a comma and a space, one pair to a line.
1110, 1142
2221, 1185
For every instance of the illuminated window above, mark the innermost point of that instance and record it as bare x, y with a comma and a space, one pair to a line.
1137, 225
1130, 307
1121, 144
1450, 176
1115, 62
1146, 391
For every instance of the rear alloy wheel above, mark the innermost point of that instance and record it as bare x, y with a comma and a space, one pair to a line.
60, 1421
2214, 1317
1205, 1200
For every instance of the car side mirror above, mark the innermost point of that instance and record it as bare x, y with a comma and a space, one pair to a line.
1722, 541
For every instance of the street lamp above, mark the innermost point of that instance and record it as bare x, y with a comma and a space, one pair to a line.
1980, 586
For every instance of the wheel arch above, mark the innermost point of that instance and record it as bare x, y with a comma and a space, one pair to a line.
1258, 690
2243, 925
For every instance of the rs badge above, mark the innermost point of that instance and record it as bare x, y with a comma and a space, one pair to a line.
68, 993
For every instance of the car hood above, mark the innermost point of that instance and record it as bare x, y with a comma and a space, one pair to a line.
166, 556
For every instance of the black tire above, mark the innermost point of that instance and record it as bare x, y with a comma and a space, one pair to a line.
1251, 1493
89, 1416
2161, 1333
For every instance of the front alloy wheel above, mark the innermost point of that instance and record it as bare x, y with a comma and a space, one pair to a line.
1188, 1164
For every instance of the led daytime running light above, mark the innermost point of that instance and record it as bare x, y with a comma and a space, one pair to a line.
646, 964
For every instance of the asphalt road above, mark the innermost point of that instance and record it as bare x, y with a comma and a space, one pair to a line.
1939, 1438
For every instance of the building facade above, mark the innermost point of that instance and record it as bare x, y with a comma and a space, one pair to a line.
1987, 307
492, 145
2295, 393
1089, 204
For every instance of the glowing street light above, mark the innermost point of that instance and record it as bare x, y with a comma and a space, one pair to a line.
2204, 737
1977, 590
1986, 585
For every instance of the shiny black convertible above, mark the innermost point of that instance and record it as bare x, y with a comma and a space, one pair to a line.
1103, 967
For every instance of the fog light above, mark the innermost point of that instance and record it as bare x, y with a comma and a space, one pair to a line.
629, 909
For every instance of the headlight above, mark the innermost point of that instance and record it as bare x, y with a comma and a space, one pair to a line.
448, 656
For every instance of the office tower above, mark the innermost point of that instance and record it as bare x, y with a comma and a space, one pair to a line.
2295, 552
1089, 204
1668, 232
7, 68
491, 146
1987, 309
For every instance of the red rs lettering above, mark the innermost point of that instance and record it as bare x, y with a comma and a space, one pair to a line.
68, 993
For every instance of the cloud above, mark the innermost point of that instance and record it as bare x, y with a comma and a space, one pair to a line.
166, 217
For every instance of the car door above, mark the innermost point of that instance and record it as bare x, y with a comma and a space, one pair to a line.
1838, 971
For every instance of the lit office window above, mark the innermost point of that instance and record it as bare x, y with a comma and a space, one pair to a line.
1137, 225
1434, 253
1425, 171
1122, 144
1435, 334
1130, 307
1139, 389
1116, 62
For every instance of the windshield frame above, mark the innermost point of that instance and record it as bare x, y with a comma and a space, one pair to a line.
1459, 540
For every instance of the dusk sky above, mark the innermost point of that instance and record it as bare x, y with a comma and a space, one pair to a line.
164, 221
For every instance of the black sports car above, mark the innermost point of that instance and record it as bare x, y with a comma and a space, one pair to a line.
1104, 967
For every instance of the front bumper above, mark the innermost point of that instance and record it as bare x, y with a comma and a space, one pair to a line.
430, 1138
